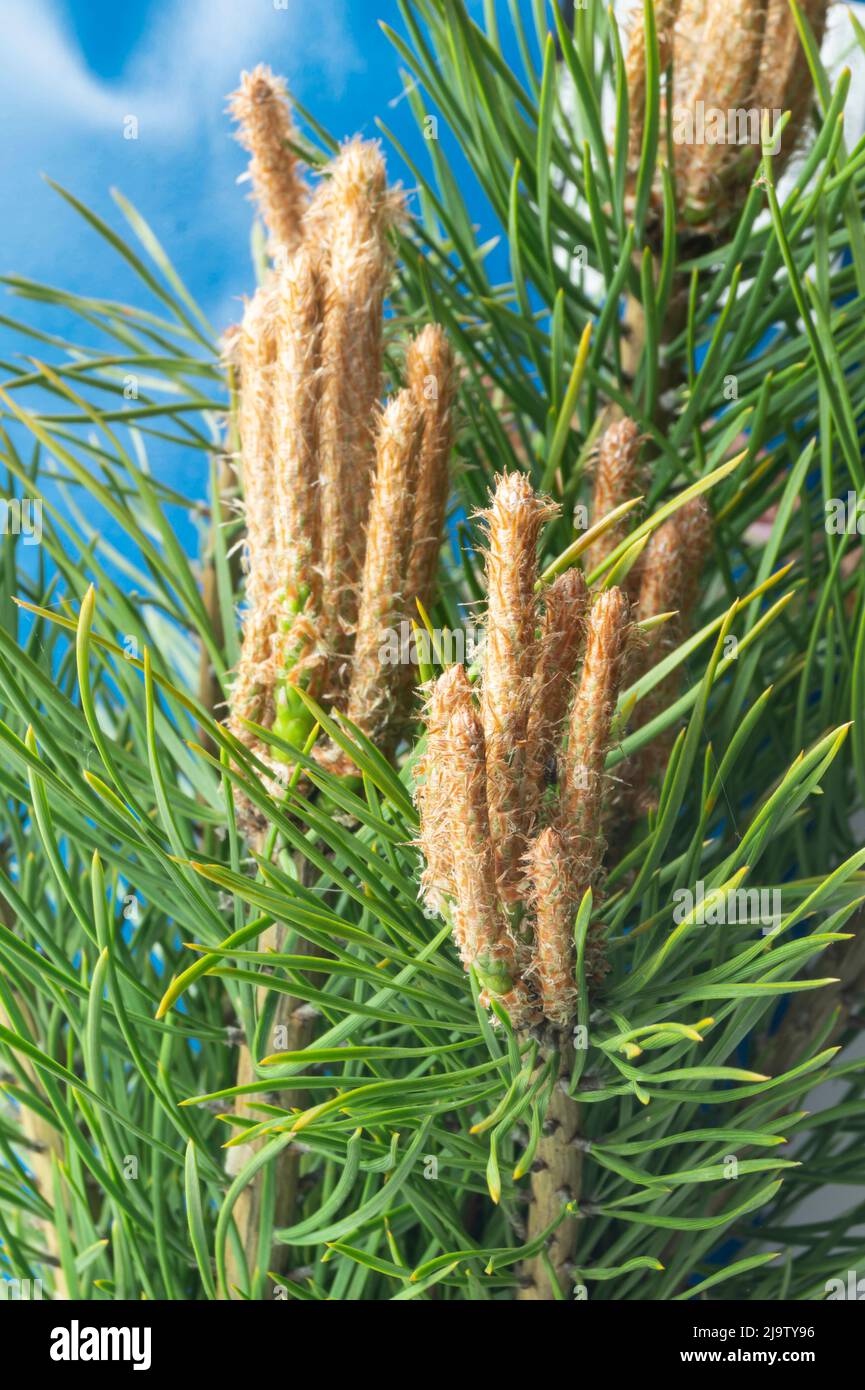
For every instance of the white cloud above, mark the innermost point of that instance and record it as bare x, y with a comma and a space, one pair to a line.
61, 117
40, 68
176, 77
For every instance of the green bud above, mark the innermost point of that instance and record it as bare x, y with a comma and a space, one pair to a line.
492, 974
290, 704
293, 721
297, 603
294, 731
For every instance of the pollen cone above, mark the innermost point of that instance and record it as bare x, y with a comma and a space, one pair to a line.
261, 108
673, 562
375, 685
354, 213
513, 524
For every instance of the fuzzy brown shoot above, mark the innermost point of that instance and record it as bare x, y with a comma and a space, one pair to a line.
486, 770
562, 635
252, 696
433, 786
590, 732
324, 575
455, 834
617, 480
671, 571
732, 62
266, 129
553, 897
724, 79
357, 213
431, 378
374, 689
666, 12
513, 524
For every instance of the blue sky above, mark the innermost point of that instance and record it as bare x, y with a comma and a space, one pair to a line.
71, 74
71, 71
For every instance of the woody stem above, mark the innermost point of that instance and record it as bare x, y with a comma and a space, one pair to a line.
556, 1179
